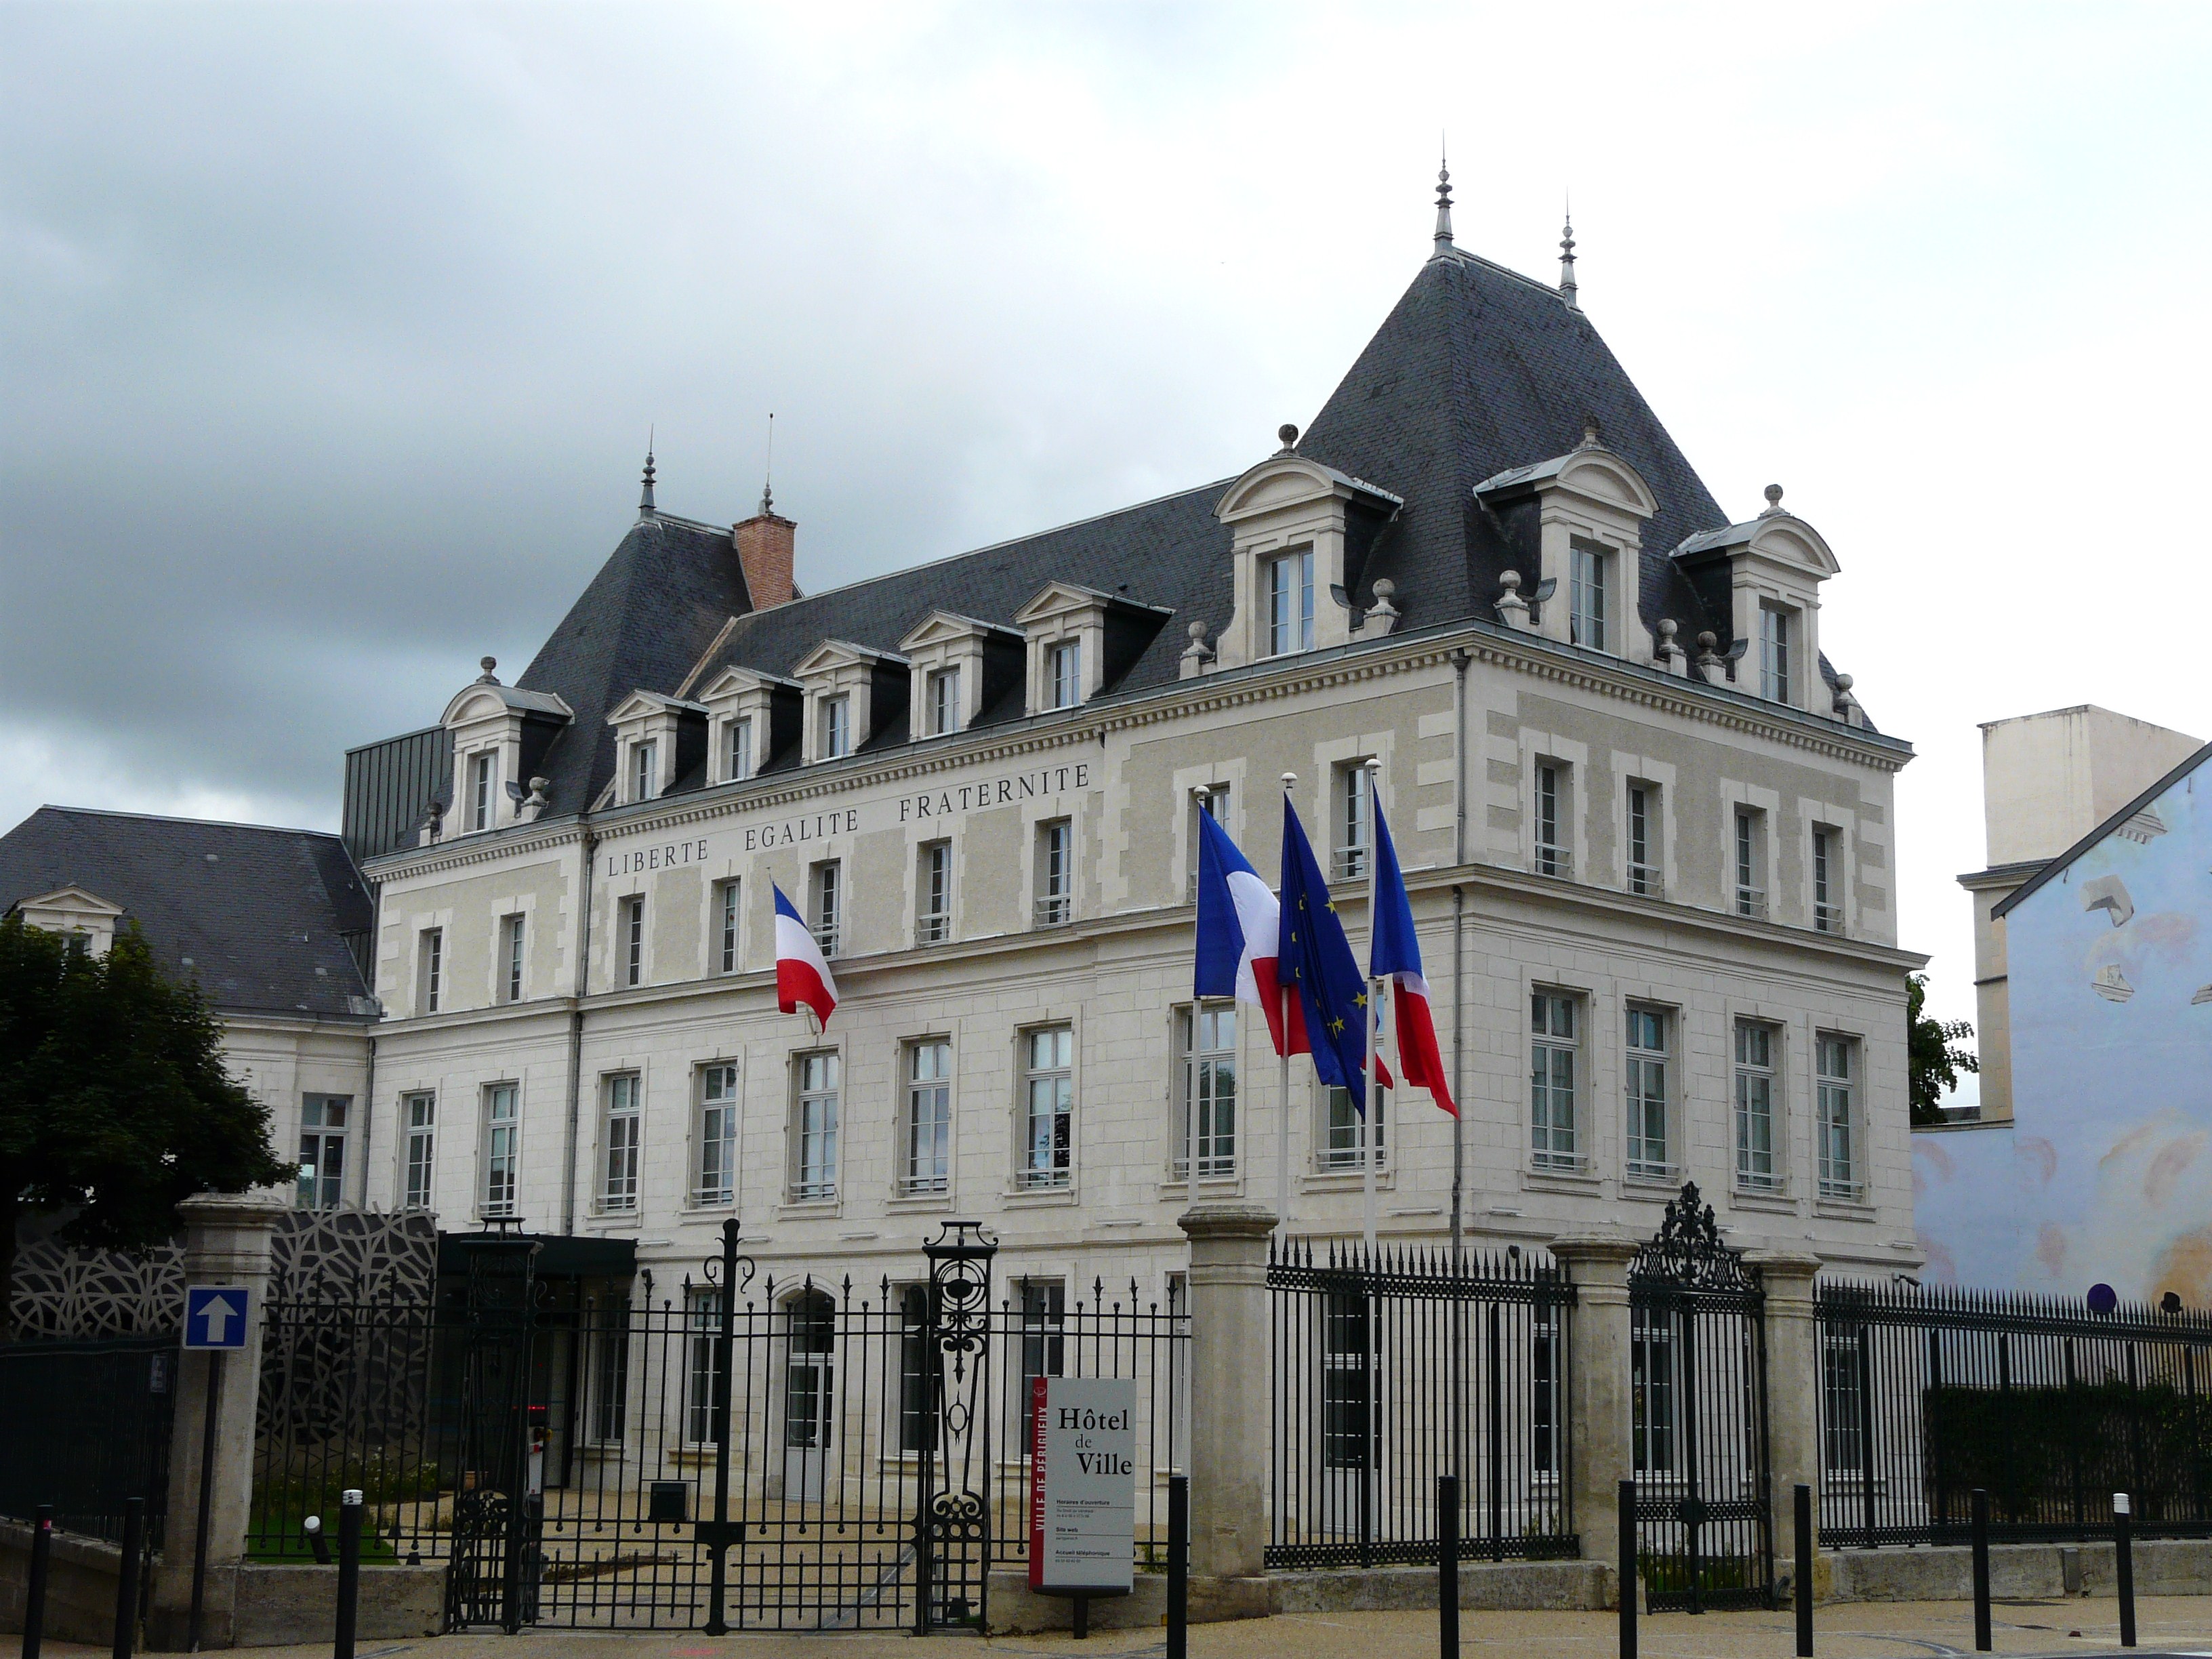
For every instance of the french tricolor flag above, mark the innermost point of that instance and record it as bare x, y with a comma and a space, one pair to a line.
1395, 955
802, 972
1238, 925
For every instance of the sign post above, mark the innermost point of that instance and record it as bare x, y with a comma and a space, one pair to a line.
214, 1323
1083, 1489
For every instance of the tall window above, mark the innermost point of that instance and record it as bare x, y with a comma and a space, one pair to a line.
1544, 1356
1750, 863
928, 1117
1044, 1343
917, 1406
737, 748
1841, 1352
814, 1162
715, 1180
322, 1150
1586, 597
1347, 1373
1551, 855
828, 905
1207, 1036
1355, 821
1341, 1132
703, 1368
1212, 801
944, 686
933, 922
1773, 653
1835, 1073
419, 1113
1644, 867
836, 717
1651, 1143
429, 969
644, 769
1291, 603
1047, 1106
484, 787
727, 915
1755, 1107
1828, 914
1655, 1404
1064, 674
608, 1334
618, 1134
511, 938
502, 1147
1056, 883
633, 940
1554, 1057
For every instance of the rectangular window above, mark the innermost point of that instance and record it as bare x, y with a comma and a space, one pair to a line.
1545, 1353
1654, 1402
1212, 801
1645, 876
430, 970
1755, 1107
1347, 1368
484, 787
1550, 852
1354, 819
1047, 1106
1841, 1352
1554, 1060
1836, 1075
503, 1148
727, 915
836, 726
1291, 603
1827, 909
1750, 863
1340, 1131
703, 1368
1044, 1343
1207, 1035
511, 938
917, 1402
1773, 653
1064, 674
1650, 1140
715, 1173
644, 773
633, 940
738, 749
322, 1150
1586, 597
1055, 874
928, 1117
419, 1113
607, 1332
814, 1162
933, 922
618, 1134
828, 898
944, 701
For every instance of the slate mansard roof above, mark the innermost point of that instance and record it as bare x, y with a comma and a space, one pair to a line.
266, 920
1477, 370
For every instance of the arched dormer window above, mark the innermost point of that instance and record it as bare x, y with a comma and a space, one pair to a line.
1298, 530
1588, 506
1765, 575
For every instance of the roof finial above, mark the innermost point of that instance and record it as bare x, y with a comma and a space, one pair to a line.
1444, 199
1567, 259
644, 501
767, 471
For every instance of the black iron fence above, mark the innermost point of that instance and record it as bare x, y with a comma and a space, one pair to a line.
1928, 1393
85, 1428
1392, 1369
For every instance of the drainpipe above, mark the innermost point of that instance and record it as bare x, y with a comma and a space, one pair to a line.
1459, 661
591, 848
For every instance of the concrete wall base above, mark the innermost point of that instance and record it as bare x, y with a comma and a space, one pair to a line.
267, 1606
1017, 1610
2024, 1572
1484, 1587
80, 1578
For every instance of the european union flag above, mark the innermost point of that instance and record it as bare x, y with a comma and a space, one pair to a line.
1314, 956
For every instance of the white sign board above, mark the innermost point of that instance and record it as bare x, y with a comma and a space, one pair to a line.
1083, 1485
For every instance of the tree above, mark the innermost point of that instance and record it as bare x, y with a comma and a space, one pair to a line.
114, 1101
1931, 1061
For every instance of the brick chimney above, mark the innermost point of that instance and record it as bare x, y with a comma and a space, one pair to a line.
764, 545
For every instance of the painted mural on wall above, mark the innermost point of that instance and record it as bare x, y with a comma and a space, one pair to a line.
2105, 1175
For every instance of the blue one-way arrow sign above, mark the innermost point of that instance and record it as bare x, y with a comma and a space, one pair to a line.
215, 1316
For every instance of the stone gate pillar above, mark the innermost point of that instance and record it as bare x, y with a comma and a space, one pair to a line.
226, 1241
1793, 1388
1598, 1401
1230, 1388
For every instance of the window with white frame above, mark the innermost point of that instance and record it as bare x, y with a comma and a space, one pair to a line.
1587, 607
1339, 1138
1774, 654
1355, 821
1044, 1345
1645, 875
932, 893
1048, 1107
1206, 1037
633, 940
1835, 1079
1290, 582
483, 789
1827, 895
1651, 1128
511, 941
1750, 862
644, 769
917, 1412
726, 917
737, 748
928, 1117
429, 969
1063, 665
608, 1376
943, 689
836, 726
620, 1123
829, 904
1843, 1354
1555, 1080
714, 1163
1055, 872
418, 1115
323, 1149
702, 1367
1755, 1167
1655, 1402
1551, 853
1210, 800
503, 1148
814, 1127
1347, 1371
1546, 1374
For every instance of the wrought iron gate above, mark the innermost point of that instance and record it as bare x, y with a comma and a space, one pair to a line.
1698, 1367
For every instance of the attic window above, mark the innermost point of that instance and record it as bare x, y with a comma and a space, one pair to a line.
643, 770
1587, 599
1064, 669
836, 726
944, 701
738, 751
1291, 603
484, 780
1774, 654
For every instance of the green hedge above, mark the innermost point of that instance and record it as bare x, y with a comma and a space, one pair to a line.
2033, 1449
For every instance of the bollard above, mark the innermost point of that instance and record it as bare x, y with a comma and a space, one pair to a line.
1981, 1533
2123, 1565
1629, 1586
127, 1582
318, 1542
1448, 1565
1178, 1566
1804, 1497
35, 1593
348, 1570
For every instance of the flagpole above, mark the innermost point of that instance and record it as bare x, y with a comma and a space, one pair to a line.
1282, 1084
1369, 1141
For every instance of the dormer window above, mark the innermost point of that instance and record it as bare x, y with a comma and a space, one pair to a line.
644, 774
1291, 603
1774, 654
944, 701
483, 789
753, 717
855, 695
659, 741
835, 715
737, 748
1764, 576
1584, 512
1064, 678
500, 734
1587, 599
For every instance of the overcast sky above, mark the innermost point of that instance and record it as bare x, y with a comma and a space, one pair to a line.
330, 337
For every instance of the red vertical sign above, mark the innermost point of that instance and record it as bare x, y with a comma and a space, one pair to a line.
1037, 1417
